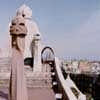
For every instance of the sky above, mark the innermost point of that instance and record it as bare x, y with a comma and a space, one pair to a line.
70, 27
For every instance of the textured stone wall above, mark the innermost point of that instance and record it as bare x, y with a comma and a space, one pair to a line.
34, 79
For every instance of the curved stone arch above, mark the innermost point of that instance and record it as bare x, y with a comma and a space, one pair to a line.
50, 51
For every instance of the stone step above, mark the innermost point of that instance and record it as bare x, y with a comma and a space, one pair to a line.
33, 80
5, 60
33, 94
38, 79
5, 64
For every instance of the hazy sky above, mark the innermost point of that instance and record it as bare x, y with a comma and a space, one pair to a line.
71, 27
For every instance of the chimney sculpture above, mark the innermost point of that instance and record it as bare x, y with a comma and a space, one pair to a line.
18, 31
33, 45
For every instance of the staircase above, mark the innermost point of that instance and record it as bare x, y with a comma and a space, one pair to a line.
5, 65
39, 84
34, 80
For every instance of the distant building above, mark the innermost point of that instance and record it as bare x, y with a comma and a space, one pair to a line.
95, 68
71, 66
75, 67
84, 66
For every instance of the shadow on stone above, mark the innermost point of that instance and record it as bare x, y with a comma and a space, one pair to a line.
3, 95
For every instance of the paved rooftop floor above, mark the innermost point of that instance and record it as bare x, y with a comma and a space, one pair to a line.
34, 94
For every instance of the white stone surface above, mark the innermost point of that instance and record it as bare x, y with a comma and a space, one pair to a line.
53, 73
54, 83
25, 10
58, 96
67, 84
37, 67
31, 49
32, 30
31, 27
